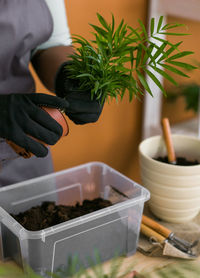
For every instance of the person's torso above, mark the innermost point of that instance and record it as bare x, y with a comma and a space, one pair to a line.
24, 24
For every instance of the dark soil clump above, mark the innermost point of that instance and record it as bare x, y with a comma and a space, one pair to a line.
49, 214
181, 161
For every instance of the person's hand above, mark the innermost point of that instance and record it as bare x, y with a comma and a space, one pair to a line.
82, 109
21, 119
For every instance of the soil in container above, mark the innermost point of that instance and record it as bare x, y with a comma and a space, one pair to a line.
49, 214
181, 161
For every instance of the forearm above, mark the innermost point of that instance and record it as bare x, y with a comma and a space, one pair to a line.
47, 62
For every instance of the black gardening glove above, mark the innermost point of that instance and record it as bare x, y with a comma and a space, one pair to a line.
82, 109
20, 116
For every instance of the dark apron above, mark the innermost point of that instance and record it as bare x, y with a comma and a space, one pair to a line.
24, 24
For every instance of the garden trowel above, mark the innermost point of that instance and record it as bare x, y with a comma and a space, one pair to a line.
168, 235
169, 247
157, 233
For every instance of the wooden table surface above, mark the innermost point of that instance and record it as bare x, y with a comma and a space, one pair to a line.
142, 263
138, 262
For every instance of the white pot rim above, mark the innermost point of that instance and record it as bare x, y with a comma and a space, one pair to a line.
166, 165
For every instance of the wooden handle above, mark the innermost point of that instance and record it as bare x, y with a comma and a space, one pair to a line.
148, 232
168, 140
156, 226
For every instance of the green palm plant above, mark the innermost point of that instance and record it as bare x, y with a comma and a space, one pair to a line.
190, 92
116, 60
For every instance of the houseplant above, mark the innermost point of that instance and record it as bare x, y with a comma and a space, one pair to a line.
114, 63
190, 94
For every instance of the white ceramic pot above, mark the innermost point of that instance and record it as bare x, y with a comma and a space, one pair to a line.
175, 190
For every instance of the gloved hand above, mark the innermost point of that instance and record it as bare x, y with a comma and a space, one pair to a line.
20, 116
81, 108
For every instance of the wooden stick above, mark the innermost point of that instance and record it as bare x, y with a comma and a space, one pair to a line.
168, 141
156, 226
148, 232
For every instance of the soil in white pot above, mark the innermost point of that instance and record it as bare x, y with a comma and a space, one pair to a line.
181, 161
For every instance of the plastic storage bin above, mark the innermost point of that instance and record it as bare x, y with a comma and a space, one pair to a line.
110, 231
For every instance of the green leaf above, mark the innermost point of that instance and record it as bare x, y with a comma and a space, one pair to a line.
86, 75
175, 70
96, 87
160, 50
155, 80
143, 29
116, 37
179, 55
92, 58
162, 40
148, 54
80, 39
101, 48
104, 84
165, 75
139, 56
169, 51
99, 30
159, 23
152, 25
183, 65
136, 33
174, 34
103, 22
131, 59
191, 94
113, 23
171, 26
144, 82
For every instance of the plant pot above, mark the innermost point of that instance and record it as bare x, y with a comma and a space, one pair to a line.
175, 190
57, 115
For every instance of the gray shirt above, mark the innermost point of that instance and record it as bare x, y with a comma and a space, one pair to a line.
24, 24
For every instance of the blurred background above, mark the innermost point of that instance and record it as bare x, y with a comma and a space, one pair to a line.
114, 139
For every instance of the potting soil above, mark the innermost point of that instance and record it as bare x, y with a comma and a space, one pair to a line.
49, 214
181, 161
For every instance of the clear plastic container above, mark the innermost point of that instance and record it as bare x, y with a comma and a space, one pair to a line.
109, 231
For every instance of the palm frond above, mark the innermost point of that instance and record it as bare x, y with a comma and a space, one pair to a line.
118, 52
